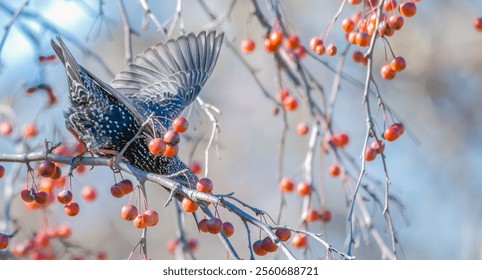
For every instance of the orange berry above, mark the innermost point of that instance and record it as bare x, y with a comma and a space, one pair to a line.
290, 103
151, 217
286, 185
354, 2
228, 229
180, 125
311, 215
348, 25
302, 128
299, 240
258, 248
370, 154
171, 151
30, 130
396, 22
334, 170
358, 56
129, 212
283, 234
64, 196
248, 45
389, 5
205, 185
6, 128
140, 221
320, 49
340, 139
269, 47
88, 193
398, 64
275, 37
303, 188
63, 231
351, 37
331, 50
391, 133
408, 9
362, 39
315, 42
293, 42
188, 205
157, 146
72, 209
400, 126
282, 94
387, 72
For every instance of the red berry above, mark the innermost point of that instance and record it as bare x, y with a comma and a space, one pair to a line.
315, 42
203, 225
248, 45
370, 154
228, 229
171, 245
398, 64
408, 9
378, 146
57, 174
269, 47
46, 169
358, 56
389, 5
303, 188
258, 248
215, 225
64, 196
302, 128
2, 171
290, 103
325, 216
340, 139
129, 212
362, 39
172, 138
41, 197
400, 126
299, 240
312, 215
180, 124
151, 217
283, 234
6, 128
189, 206
478, 24
157, 146
27, 195
125, 186
331, 50
193, 244
72, 209
3, 241
334, 170
195, 167
205, 185
268, 245
88, 193
286, 185
115, 191
282, 94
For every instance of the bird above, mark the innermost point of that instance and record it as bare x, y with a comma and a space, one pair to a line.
161, 81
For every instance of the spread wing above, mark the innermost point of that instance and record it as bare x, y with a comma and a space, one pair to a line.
167, 77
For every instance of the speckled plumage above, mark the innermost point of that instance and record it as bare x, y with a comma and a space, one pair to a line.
163, 80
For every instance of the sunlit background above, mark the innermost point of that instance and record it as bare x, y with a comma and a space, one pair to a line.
435, 169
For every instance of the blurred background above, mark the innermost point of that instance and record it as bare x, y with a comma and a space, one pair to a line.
435, 169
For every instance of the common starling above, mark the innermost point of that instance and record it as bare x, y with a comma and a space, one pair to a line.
162, 80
